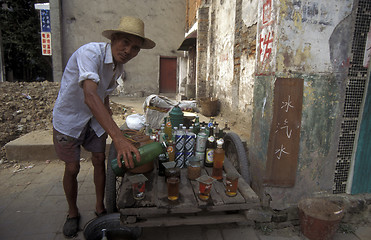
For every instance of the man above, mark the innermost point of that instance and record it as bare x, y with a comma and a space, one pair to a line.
82, 116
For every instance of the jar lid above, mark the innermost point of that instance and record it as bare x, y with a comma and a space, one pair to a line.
194, 162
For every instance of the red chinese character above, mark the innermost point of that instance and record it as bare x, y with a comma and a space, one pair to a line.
265, 49
267, 11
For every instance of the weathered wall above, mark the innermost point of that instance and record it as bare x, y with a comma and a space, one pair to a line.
220, 83
230, 58
308, 40
84, 20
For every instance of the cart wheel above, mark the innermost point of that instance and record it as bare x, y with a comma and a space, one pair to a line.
236, 154
113, 183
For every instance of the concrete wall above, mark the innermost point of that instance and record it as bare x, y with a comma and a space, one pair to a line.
242, 50
310, 40
84, 20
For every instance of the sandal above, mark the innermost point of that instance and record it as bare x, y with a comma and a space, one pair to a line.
104, 212
71, 226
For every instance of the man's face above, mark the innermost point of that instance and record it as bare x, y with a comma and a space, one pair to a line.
125, 47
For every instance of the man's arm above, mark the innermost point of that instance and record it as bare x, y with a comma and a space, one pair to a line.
123, 147
106, 104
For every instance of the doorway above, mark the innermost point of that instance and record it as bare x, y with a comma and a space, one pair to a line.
361, 182
168, 67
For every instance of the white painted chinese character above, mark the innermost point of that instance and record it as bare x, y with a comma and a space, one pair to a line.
288, 133
287, 104
280, 151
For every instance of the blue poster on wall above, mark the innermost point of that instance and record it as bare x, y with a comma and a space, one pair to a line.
45, 20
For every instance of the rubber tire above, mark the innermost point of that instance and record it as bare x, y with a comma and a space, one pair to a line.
110, 222
111, 183
236, 153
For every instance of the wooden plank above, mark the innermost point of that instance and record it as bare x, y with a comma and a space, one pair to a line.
215, 194
195, 187
284, 137
218, 193
144, 212
186, 201
243, 187
125, 195
232, 207
126, 199
168, 221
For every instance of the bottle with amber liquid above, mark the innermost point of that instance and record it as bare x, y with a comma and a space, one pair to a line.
218, 160
168, 129
210, 147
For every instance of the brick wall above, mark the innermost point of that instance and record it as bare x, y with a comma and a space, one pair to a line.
191, 12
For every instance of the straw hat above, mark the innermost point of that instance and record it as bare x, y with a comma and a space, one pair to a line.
134, 26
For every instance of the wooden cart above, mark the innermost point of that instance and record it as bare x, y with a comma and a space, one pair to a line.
156, 210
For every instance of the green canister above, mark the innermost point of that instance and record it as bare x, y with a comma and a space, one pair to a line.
148, 153
176, 116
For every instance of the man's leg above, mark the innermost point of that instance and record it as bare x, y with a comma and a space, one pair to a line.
70, 187
71, 226
99, 180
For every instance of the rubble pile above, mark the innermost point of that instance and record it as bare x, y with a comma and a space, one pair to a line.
28, 106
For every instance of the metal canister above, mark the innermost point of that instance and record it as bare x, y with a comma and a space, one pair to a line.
179, 159
176, 116
201, 141
190, 141
148, 153
179, 148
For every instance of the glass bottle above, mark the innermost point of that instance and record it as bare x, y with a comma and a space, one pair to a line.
216, 130
168, 129
148, 153
196, 128
162, 135
210, 147
218, 160
171, 151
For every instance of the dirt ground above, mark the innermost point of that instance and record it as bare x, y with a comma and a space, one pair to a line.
28, 106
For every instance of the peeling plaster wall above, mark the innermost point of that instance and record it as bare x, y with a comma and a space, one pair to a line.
231, 58
312, 41
314, 22
246, 46
222, 55
84, 20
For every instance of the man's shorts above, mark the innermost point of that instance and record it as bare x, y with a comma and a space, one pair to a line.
68, 148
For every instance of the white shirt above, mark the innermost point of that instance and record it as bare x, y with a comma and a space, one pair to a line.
91, 61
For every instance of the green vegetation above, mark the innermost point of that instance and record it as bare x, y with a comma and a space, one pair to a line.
20, 33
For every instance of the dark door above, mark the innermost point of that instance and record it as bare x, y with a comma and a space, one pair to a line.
362, 167
168, 74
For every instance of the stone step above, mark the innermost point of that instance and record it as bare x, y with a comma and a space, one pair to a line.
38, 145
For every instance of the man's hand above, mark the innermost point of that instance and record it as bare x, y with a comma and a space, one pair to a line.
124, 150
